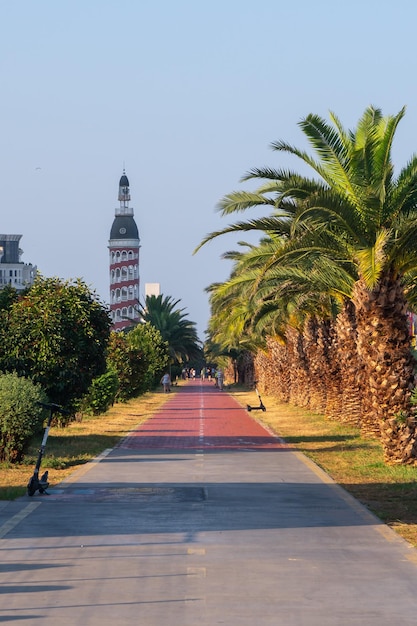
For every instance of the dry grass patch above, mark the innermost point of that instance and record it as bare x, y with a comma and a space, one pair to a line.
68, 448
352, 461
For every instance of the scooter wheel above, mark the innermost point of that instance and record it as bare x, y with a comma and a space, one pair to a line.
31, 487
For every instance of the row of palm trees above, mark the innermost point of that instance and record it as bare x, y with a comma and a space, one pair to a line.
332, 280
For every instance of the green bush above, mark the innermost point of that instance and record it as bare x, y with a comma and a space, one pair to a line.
139, 358
20, 415
102, 393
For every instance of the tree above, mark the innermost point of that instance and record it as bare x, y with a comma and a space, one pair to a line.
8, 295
179, 333
139, 358
57, 335
374, 213
355, 203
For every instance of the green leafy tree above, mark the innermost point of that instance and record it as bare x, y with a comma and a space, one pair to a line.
57, 335
149, 342
8, 295
139, 358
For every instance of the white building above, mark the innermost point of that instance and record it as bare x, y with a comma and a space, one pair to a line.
152, 289
13, 271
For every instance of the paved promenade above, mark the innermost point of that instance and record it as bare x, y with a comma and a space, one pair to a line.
201, 517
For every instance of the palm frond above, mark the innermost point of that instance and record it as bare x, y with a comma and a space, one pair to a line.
372, 260
242, 200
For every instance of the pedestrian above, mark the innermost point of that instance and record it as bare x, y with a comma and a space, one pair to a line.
219, 379
203, 373
166, 382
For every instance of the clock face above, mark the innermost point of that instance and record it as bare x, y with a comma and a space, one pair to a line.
122, 231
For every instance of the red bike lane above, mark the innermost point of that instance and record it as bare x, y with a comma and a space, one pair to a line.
200, 417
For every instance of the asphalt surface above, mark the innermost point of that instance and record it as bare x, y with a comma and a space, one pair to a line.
201, 517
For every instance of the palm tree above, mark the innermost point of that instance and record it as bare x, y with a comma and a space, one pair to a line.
370, 216
375, 214
271, 291
179, 332
229, 335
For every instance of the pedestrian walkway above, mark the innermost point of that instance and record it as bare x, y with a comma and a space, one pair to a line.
202, 517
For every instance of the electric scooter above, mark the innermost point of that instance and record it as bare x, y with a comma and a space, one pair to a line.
261, 406
41, 484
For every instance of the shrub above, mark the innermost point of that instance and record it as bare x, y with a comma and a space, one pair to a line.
102, 393
20, 415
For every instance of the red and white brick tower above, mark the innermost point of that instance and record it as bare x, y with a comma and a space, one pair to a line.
124, 244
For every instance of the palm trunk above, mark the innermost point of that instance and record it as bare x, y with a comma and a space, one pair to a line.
315, 351
272, 370
384, 347
245, 368
350, 408
334, 383
298, 368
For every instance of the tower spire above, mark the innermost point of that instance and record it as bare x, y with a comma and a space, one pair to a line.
124, 196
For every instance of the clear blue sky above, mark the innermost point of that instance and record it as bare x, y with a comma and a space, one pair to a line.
187, 96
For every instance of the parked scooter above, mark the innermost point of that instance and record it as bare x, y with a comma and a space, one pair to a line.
41, 484
261, 406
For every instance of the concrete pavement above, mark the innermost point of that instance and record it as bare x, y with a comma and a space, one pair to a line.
202, 517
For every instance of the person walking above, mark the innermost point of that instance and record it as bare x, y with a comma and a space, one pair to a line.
219, 379
166, 382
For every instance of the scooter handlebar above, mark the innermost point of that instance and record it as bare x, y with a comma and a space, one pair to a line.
54, 407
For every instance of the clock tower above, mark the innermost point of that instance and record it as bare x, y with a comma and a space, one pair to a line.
124, 244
